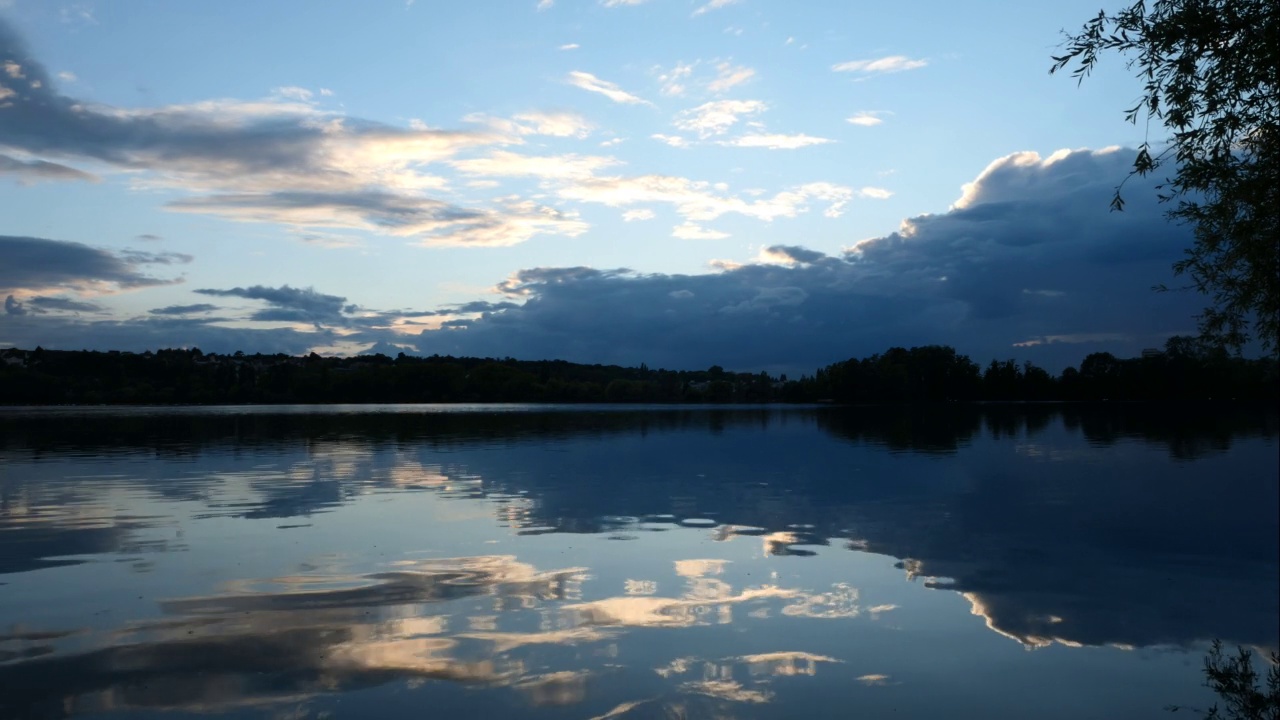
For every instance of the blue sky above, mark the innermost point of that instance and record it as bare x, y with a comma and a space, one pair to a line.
754, 184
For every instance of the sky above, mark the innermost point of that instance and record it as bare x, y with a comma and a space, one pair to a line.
748, 183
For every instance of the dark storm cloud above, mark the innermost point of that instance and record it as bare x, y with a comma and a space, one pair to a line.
1029, 263
184, 309
29, 262
27, 170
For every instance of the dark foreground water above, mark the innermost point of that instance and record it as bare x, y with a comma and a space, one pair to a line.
437, 562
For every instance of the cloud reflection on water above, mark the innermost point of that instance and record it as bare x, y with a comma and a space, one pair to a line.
1168, 542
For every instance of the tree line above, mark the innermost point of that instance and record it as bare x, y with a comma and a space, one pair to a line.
1187, 369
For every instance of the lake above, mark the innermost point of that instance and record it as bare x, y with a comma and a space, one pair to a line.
630, 562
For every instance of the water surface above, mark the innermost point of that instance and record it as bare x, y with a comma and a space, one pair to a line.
615, 562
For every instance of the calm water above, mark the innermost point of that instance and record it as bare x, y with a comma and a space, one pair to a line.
393, 562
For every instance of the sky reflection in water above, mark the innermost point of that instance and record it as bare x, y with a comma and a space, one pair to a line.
629, 564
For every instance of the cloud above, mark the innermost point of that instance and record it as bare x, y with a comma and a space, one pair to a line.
288, 304
555, 124
184, 309
673, 80
674, 141
957, 277
545, 5
691, 231
36, 264
570, 46
716, 117
700, 201
591, 83
433, 222
637, 215
773, 141
41, 304
293, 92
29, 170
281, 159
888, 64
866, 118
729, 76
790, 255
502, 163
621, 3
713, 5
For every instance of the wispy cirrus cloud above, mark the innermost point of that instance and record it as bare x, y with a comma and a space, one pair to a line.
591, 83
887, 64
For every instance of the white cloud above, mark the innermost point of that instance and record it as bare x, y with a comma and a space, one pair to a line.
672, 140
638, 215
557, 124
293, 92
729, 76
713, 5
875, 193
693, 231
591, 83
866, 118
776, 141
716, 117
699, 201
570, 46
326, 92
621, 3
67, 76
674, 80
545, 4
503, 163
888, 64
